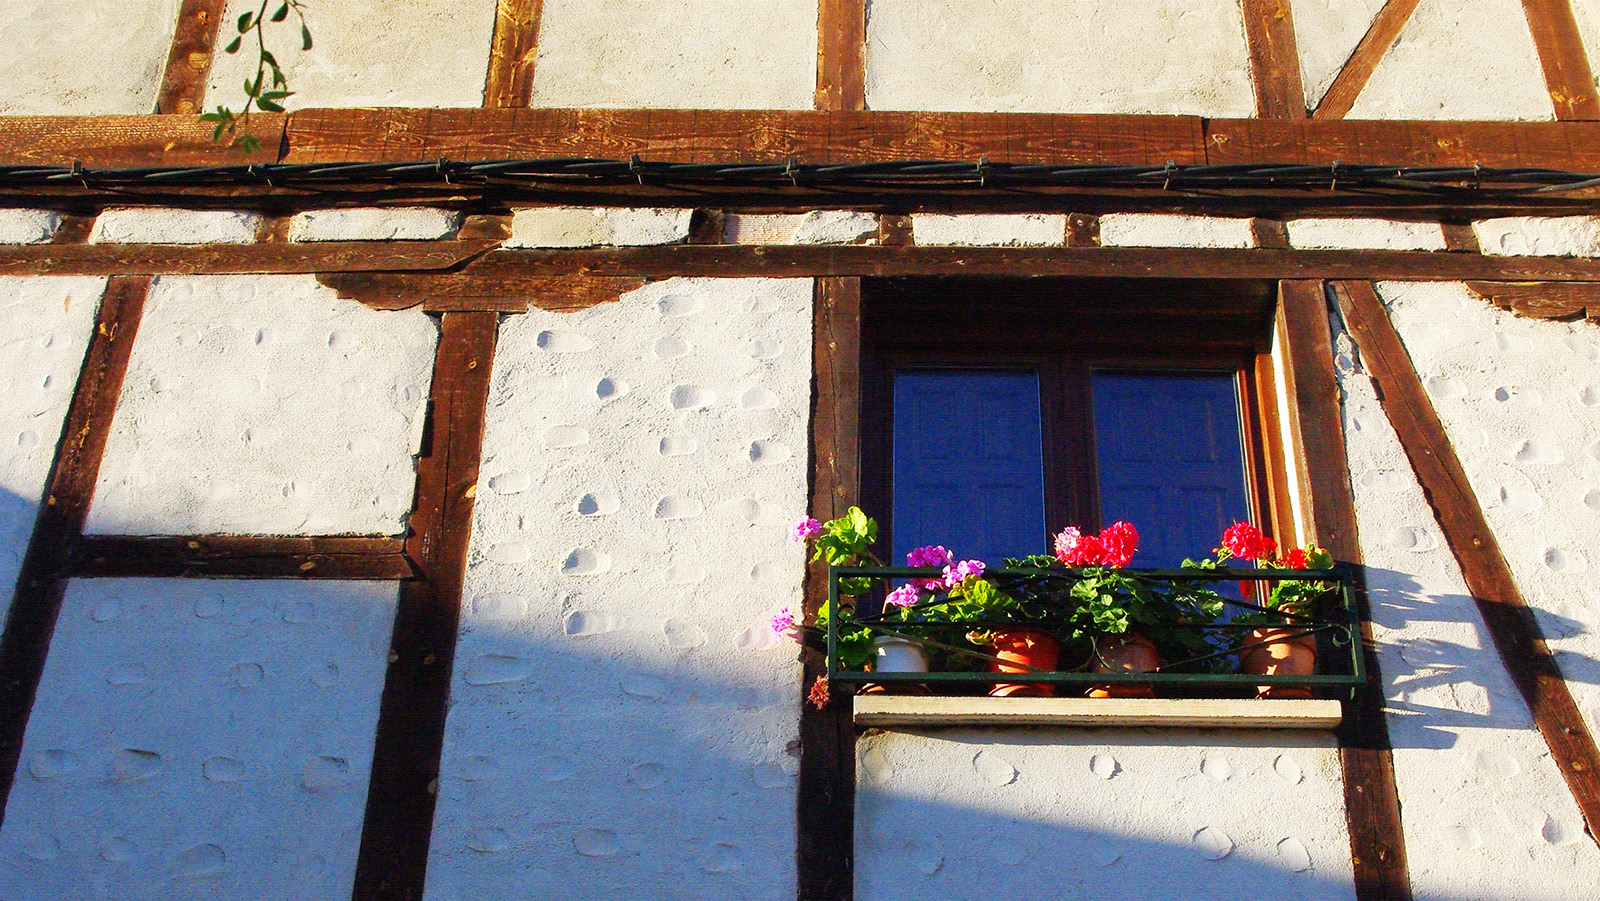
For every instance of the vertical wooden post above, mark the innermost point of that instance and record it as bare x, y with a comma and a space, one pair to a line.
1274, 60
393, 860
37, 602
827, 737
515, 47
841, 54
1505, 612
183, 82
1372, 802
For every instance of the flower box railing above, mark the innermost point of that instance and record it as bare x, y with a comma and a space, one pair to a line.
1212, 672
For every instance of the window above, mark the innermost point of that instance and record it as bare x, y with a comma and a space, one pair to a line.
997, 412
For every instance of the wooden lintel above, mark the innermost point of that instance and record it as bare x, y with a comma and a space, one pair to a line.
238, 556
183, 83
1505, 612
1274, 60
1568, 76
459, 292
195, 259
1363, 61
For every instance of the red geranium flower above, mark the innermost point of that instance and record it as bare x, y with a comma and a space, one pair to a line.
1245, 542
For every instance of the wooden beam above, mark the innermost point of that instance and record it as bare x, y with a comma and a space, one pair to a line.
458, 292
1140, 262
195, 259
512, 54
123, 142
827, 784
1567, 75
1363, 61
1372, 801
183, 83
1274, 60
37, 601
1444, 482
238, 557
841, 55
1562, 302
393, 859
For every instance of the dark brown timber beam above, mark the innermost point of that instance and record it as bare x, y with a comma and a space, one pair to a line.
1444, 482
1567, 75
841, 55
238, 556
1274, 60
195, 259
1363, 61
183, 83
393, 860
1372, 801
37, 601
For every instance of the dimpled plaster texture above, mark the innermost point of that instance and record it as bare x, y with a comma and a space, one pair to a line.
265, 404
815, 227
1100, 815
990, 229
131, 225
1326, 32
1047, 56
677, 54
622, 715
1365, 234
1458, 59
28, 226
1540, 236
83, 58
45, 325
1168, 230
374, 224
199, 739
1486, 814
1520, 400
374, 53
578, 226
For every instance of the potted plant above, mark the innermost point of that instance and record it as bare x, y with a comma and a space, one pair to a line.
1278, 644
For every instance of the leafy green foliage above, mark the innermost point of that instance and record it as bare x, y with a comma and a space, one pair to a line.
269, 88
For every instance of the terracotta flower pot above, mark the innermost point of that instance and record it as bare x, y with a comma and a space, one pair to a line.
1024, 650
1276, 654
1127, 653
896, 655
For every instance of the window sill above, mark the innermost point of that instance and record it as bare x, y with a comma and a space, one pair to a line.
891, 711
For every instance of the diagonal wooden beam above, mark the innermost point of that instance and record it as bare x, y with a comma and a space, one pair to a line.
37, 602
841, 54
183, 83
1363, 61
1505, 612
515, 48
393, 860
1274, 59
1567, 75
1372, 799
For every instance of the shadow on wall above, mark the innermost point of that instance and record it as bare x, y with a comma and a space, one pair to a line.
1436, 686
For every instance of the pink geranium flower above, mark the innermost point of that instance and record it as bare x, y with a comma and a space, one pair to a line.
783, 622
1114, 546
904, 596
804, 529
929, 555
958, 573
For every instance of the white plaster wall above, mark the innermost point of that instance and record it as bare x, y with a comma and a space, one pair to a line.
677, 54
83, 58
1170, 230
1587, 14
1459, 59
417, 223
1365, 234
1486, 814
581, 226
1046, 56
990, 229
45, 326
145, 225
28, 226
1110, 815
375, 53
814, 227
1541, 236
1326, 32
1520, 400
200, 739
265, 405
623, 721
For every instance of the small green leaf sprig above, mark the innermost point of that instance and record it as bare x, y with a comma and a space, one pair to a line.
268, 89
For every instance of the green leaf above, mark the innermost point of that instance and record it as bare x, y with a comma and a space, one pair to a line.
268, 105
249, 143
269, 59
305, 37
244, 22
233, 46
281, 14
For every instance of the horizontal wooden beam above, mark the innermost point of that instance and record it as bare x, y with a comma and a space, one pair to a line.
238, 556
452, 292
808, 136
187, 259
